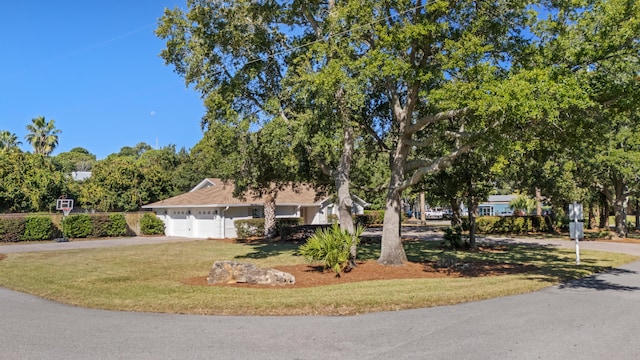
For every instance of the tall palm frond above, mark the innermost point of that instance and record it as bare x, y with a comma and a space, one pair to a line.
8, 140
43, 135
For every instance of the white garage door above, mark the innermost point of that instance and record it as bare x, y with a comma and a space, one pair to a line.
206, 224
180, 223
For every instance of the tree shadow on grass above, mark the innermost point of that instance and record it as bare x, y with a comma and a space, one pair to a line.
546, 263
265, 249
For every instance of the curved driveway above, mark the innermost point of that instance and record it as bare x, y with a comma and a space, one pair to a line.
593, 318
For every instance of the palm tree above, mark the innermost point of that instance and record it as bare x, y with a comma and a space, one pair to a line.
8, 140
43, 135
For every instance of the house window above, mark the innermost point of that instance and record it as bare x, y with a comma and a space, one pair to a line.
484, 210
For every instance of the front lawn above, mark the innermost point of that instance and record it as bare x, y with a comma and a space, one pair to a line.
159, 278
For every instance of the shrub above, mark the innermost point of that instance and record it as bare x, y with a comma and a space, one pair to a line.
370, 217
517, 225
100, 225
331, 246
285, 223
486, 224
247, 228
11, 229
150, 224
301, 232
453, 237
538, 224
38, 228
510, 224
77, 226
117, 225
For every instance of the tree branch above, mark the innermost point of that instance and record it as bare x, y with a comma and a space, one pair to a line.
433, 166
430, 119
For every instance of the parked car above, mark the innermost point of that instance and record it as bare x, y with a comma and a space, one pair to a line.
434, 214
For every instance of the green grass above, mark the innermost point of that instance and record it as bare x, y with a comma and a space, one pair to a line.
151, 278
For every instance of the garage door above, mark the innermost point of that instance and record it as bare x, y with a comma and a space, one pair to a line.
206, 224
180, 223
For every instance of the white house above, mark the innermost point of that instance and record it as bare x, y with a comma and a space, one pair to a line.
209, 209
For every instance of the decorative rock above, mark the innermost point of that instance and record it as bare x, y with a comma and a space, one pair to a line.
232, 272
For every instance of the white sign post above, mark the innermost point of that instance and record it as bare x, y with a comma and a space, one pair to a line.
576, 228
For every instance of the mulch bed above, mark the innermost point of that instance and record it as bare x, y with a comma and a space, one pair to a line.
310, 276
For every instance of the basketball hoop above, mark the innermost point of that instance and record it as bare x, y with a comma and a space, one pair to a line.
64, 204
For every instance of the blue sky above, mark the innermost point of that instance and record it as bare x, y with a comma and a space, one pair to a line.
93, 67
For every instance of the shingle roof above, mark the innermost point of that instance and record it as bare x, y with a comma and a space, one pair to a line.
220, 193
501, 198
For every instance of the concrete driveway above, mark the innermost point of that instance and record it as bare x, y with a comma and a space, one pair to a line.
593, 318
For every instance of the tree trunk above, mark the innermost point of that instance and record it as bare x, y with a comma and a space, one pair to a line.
269, 216
604, 211
472, 226
391, 251
456, 219
538, 202
473, 211
423, 216
619, 207
342, 176
592, 216
637, 215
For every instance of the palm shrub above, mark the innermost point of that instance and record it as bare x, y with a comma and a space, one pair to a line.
522, 205
331, 247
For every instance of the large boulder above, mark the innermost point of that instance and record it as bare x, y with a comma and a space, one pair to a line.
232, 272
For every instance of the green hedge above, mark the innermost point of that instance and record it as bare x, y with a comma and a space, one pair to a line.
150, 224
99, 225
11, 229
510, 224
283, 223
117, 225
108, 225
246, 228
370, 217
41, 227
38, 228
77, 226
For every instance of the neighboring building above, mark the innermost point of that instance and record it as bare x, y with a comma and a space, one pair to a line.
80, 175
496, 205
209, 209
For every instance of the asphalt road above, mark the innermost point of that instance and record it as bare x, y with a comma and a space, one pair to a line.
593, 318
